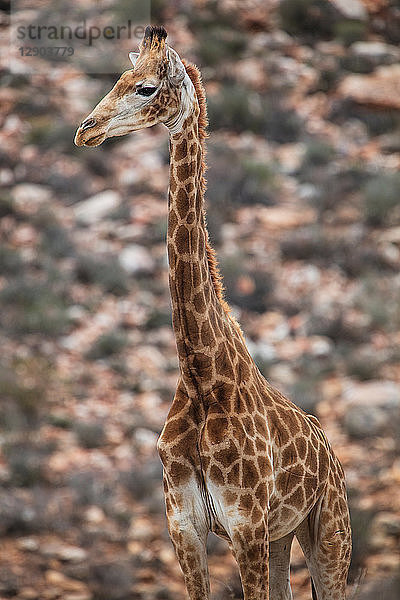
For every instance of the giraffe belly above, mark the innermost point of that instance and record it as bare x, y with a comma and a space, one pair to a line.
282, 518
292, 498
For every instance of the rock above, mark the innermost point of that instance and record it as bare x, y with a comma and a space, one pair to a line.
145, 438
376, 52
140, 529
391, 235
94, 514
380, 89
136, 259
351, 9
262, 351
97, 207
28, 544
55, 578
29, 197
250, 72
63, 552
371, 408
385, 525
28, 593
363, 421
382, 393
320, 346
390, 142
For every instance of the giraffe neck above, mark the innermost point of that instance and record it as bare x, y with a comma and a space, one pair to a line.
199, 318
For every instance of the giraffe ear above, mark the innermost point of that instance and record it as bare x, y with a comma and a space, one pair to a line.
176, 68
133, 56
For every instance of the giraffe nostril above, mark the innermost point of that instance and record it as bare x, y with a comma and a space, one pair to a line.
88, 123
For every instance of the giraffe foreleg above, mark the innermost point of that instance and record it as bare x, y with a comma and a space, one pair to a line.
251, 550
279, 568
188, 529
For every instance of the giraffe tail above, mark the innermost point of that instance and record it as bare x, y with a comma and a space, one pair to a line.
313, 592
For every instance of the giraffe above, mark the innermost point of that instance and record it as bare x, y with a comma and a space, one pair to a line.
239, 459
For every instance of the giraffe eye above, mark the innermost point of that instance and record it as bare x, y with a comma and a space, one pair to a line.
146, 91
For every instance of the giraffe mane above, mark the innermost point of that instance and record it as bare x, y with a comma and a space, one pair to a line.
216, 276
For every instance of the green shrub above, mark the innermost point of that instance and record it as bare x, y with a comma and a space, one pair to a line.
220, 44
379, 298
361, 534
107, 345
238, 109
306, 393
158, 318
218, 34
23, 394
381, 197
308, 243
311, 18
90, 435
317, 154
6, 205
106, 272
350, 31
56, 241
26, 462
50, 132
11, 262
33, 306
257, 296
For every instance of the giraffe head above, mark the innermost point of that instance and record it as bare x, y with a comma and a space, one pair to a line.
156, 90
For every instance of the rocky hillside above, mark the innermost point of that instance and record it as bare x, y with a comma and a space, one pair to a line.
304, 211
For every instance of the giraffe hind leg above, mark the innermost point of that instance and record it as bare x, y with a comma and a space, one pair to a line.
279, 568
325, 538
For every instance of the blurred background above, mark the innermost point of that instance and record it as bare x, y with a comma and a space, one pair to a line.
304, 211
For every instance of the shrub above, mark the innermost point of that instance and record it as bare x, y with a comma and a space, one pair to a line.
111, 580
361, 533
56, 241
33, 306
92, 489
11, 262
6, 204
311, 18
379, 298
90, 435
381, 197
49, 132
23, 395
306, 244
219, 38
317, 154
246, 288
26, 462
106, 272
350, 30
306, 394
107, 345
238, 109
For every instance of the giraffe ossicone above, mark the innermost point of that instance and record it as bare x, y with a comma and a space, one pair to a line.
239, 458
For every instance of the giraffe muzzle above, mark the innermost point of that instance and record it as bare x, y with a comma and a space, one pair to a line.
85, 137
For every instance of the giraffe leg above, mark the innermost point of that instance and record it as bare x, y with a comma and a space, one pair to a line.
325, 538
188, 529
279, 568
251, 551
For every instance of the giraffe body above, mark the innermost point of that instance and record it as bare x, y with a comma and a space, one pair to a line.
239, 458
